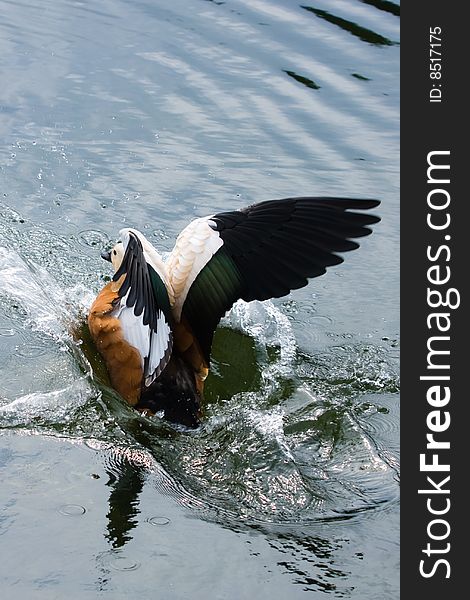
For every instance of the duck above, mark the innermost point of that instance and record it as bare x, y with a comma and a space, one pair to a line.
153, 323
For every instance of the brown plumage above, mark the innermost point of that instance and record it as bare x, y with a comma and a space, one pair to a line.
122, 360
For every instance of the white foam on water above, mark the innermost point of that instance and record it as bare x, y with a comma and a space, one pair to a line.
270, 424
270, 328
52, 311
55, 405
36, 291
50, 308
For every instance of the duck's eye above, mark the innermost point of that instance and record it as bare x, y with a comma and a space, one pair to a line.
114, 252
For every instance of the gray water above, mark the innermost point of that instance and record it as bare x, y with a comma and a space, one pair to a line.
147, 114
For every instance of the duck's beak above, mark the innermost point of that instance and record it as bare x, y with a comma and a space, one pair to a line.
106, 254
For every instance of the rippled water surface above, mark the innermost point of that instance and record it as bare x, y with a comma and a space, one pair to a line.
146, 114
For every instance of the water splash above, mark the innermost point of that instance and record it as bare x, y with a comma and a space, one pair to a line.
274, 338
300, 445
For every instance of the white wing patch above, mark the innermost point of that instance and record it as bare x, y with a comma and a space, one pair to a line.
161, 344
154, 345
133, 329
194, 247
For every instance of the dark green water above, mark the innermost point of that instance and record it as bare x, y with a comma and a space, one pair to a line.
147, 114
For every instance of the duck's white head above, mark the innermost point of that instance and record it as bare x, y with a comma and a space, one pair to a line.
115, 255
151, 256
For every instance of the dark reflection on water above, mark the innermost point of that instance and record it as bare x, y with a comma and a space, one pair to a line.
304, 80
309, 557
284, 454
364, 34
361, 77
315, 554
314, 561
385, 5
126, 482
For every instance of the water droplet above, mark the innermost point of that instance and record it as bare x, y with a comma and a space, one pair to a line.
121, 563
72, 510
158, 521
159, 233
93, 238
30, 350
61, 198
118, 561
6, 332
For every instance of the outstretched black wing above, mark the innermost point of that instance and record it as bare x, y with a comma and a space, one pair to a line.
268, 249
144, 309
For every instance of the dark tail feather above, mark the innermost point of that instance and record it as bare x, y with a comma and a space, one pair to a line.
174, 393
